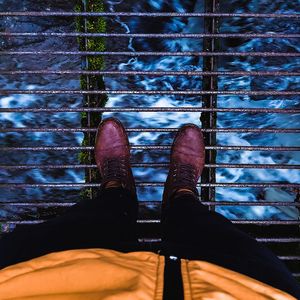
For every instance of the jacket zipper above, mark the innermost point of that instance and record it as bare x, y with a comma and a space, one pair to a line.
173, 286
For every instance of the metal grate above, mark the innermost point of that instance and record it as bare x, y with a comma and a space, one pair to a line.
272, 232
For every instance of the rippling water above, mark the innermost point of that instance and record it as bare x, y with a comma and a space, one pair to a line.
146, 120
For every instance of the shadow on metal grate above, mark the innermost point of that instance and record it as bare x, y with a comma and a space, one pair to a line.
281, 235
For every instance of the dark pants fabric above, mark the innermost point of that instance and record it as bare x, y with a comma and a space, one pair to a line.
189, 230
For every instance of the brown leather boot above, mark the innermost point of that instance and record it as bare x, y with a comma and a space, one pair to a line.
187, 162
112, 153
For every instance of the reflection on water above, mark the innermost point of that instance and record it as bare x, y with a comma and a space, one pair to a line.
147, 120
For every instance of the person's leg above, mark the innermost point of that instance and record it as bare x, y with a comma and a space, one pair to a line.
190, 230
107, 222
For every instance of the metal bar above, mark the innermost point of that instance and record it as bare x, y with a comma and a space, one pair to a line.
150, 73
239, 222
152, 53
153, 92
253, 148
261, 240
153, 35
153, 109
251, 203
157, 203
152, 147
266, 222
297, 200
37, 204
146, 184
157, 221
150, 165
278, 240
289, 257
149, 240
145, 14
158, 240
224, 130
88, 99
210, 83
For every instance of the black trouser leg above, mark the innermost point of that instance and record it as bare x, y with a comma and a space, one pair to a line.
191, 231
107, 222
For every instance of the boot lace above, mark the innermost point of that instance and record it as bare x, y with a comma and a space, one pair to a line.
114, 169
184, 175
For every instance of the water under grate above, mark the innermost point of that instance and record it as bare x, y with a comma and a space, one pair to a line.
235, 74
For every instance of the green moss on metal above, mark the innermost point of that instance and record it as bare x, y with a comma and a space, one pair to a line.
91, 82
